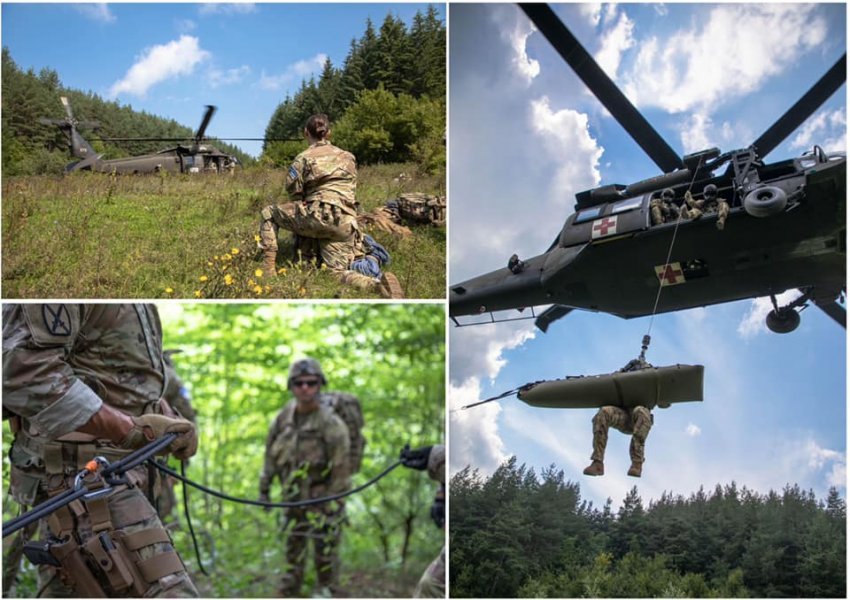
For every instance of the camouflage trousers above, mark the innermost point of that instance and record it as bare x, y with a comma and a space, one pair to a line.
326, 534
433, 581
337, 235
130, 513
636, 421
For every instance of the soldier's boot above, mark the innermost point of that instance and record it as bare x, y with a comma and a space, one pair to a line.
269, 263
390, 287
595, 469
636, 469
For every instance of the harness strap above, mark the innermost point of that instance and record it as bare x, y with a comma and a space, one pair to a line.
145, 537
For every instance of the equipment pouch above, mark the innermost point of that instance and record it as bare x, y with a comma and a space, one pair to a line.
110, 561
24, 486
38, 553
75, 569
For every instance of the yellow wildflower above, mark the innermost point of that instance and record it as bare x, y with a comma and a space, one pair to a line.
203, 278
209, 264
256, 238
258, 289
252, 282
169, 290
197, 293
302, 291
226, 257
258, 273
324, 266
228, 279
281, 270
215, 257
234, 251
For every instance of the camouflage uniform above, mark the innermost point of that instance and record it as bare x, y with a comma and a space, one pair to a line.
691, 208
321, 182
178, 396
433, 581
310, 454
61, 363
636, 421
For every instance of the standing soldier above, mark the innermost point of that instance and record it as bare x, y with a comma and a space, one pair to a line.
82, 381
321, 181
433, 581
308, 449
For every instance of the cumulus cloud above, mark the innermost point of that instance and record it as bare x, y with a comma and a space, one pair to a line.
527, 68
753, 323
294, 72
160, 63
699, 131
702, 66
484, 347
566, 136
96, 12
820, 458
474, 433
826, 129
591, 11
237, 8
615, 41
693, 430
218, 77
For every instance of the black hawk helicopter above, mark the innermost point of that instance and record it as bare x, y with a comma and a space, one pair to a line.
785, 228
195, 158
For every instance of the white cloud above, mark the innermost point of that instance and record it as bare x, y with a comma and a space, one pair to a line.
826, 129
693, 430
474, 433
698, 132
186, 25
661, 9
591, 11
819, 458
701, 67
217, 77
615, 41
575, 154
160, 63
517, 37
753, 322
96, 12
292, 73
236, 8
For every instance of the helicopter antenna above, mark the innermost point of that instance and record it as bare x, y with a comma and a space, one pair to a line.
647, 337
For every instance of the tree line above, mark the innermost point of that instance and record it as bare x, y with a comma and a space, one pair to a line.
520, 534
387, 101
31, 147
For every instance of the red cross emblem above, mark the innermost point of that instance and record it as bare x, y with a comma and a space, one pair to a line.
603, 227
671, 274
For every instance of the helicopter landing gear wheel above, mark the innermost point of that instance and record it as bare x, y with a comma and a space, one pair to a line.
765, 201
784, 320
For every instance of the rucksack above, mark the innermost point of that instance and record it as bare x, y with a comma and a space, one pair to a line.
422, 208
347, 407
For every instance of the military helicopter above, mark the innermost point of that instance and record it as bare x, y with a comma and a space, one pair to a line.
195, 158
785, 228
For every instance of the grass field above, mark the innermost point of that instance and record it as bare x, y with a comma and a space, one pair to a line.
90, 235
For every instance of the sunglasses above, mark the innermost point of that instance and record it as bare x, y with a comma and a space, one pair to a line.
305, 382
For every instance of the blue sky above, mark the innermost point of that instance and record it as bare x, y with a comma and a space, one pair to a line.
172, 59
526, 136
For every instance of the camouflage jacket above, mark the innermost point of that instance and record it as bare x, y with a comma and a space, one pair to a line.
62, 361
324, 173
177, 394
309, 453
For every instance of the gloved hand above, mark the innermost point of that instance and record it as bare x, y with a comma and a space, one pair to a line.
264, 497
415, 459
147, 428
438, 511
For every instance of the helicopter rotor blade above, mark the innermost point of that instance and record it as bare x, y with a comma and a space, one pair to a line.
67, 106
550, 315
803, 108
566, 44
206, 121
835, 312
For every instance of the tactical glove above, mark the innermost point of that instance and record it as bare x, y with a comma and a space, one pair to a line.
438, 511
147, 428
415, 459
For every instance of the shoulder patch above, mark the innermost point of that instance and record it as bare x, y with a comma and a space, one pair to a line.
293, 173
52, 324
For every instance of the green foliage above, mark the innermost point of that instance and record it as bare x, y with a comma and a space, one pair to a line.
521, 534
91, 235
235, 360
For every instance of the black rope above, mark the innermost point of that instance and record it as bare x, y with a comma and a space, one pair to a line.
298, 504
189, 518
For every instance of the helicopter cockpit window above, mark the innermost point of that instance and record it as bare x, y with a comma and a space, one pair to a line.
588, 213
627, 204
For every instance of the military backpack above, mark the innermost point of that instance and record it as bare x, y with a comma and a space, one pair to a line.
347, 407
422, 208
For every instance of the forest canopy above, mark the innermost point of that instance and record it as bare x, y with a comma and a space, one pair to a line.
522, 534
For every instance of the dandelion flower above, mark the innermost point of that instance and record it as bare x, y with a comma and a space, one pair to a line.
234, 251
203, 278
256, 238
281, 271
169, 290
226, 257
258, 289
228, 279
197, 293
252, 282
258, 273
